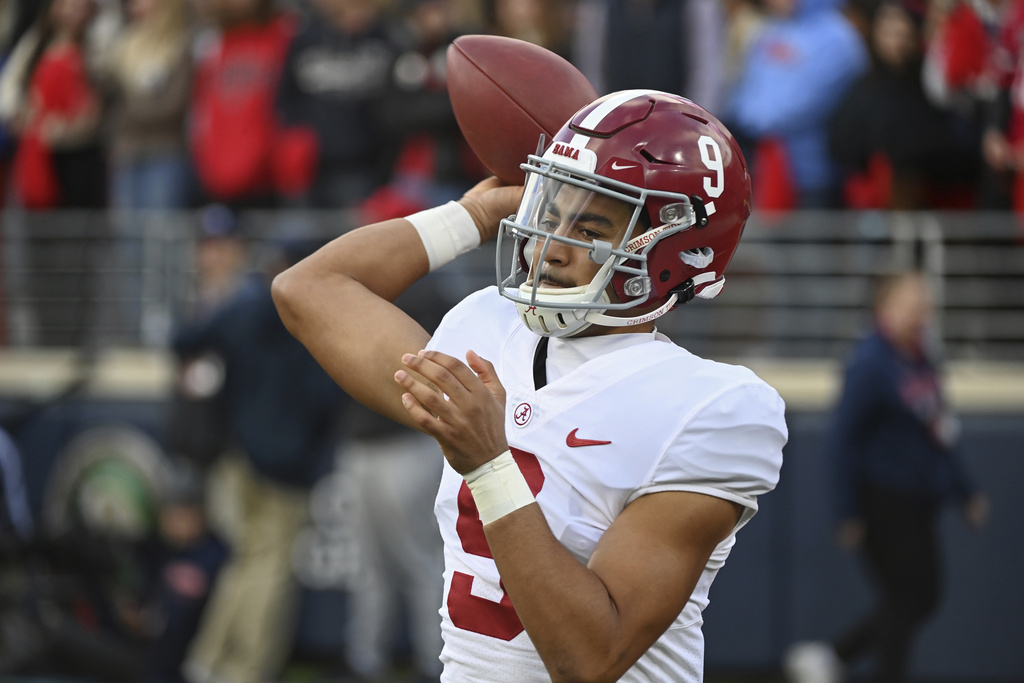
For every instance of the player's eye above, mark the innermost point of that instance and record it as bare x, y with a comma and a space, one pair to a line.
549, 223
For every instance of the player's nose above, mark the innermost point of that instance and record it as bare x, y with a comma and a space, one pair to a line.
556, 252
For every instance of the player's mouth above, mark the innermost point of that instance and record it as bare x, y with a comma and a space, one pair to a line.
548, 281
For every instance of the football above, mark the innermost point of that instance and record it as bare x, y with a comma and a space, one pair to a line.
505, 93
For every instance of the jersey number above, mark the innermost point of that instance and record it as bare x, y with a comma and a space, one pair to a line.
470, 612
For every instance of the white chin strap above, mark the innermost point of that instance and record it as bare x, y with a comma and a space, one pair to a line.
566, 322
549, 321
597, 317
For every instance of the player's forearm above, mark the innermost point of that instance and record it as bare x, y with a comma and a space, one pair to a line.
565, 607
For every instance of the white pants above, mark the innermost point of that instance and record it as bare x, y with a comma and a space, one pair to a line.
394, 482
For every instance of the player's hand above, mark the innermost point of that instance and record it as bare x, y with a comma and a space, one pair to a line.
488, 202
460, 405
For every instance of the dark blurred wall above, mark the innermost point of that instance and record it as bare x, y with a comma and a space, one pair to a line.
785, 580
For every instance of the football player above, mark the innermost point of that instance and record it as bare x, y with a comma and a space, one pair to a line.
596, 472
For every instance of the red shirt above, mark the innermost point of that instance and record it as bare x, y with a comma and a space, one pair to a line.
234, 128
59, 87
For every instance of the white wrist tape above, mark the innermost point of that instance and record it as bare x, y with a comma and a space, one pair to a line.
498, 488
446, 231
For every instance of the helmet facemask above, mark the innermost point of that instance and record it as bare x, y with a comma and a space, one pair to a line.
562, 201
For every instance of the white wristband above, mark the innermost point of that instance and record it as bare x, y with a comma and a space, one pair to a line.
446, 231
498, 488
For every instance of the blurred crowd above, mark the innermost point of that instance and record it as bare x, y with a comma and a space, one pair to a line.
160, 104
225, 106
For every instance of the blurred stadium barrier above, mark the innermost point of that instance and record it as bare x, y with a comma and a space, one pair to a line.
102, 290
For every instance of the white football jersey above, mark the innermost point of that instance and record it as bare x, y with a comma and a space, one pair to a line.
621, 420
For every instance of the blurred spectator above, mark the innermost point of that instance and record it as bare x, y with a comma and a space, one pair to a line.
56, 112
282, 411
900, 150
798, 69
959, 77
221, 259
433, 163
541, 22
15, 18
197, 424
673, 45
235, 139
152, 77
743, 22
393, 472
149, 74
190, 558
1003, 141
960, 37
894, 445
48, 99
336, 75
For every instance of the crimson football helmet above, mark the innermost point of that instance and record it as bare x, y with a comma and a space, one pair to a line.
687, 189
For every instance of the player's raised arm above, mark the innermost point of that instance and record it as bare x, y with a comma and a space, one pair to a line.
337, 302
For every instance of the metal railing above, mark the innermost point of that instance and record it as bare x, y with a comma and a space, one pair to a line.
799, 286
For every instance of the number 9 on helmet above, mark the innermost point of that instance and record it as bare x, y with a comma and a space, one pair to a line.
686, 181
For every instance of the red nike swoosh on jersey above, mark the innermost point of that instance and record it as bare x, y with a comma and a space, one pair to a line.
573, 441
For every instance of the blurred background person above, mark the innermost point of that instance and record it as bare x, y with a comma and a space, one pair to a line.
51, 104
16, 16
282, 414
59, 163
430, 161
188, 558
894, 447
221, 260
798, 69
541, 22
336, 74
197, 425
898, 150
392, 471
744, 20
1003, 138
150, 76
672, 45
234, 133
958, 74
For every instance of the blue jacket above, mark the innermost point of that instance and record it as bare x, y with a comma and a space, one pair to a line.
284, 410
887, 429
797, 71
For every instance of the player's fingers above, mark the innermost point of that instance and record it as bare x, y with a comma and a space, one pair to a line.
485, 371
426, 422
426, 395
450, 375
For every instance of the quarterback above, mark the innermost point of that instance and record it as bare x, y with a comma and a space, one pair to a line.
596, 473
